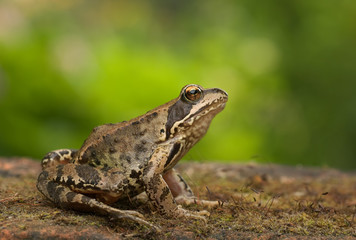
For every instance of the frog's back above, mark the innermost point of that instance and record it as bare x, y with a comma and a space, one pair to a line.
122, 145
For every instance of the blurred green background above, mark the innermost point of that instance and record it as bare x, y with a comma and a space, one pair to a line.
289, 68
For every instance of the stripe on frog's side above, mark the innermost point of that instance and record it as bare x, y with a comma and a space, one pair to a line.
177, 112
174, 152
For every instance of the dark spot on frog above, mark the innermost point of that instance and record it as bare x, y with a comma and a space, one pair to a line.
54, 190
64, 152
135, 123
69, 181
140, 148
139, 182
162, 131
131, 188
125, 181
154, 182
87, 155
143, 142
91, 151
58, 194
112, 150
85, 199
105, 169
97, 162
150, 117
116, 140
125, 157
51, 189
165, 193
59, 172
88, 174
135, 174
143, 132
73, 153
117, 173
43, 176
147, 168
70, 196
52, 155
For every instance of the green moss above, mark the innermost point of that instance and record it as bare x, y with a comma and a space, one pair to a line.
250, 207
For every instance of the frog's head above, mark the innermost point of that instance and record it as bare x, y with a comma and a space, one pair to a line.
190, 114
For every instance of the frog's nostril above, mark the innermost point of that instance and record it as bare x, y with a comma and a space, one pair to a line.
225, 93
220, 91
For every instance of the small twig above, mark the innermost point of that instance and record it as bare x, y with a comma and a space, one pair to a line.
10, 199
256, 191
270, 205
233, 199
208, 192
221, 203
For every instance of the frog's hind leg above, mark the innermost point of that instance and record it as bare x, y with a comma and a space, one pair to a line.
60, 156
65, 198
181, 191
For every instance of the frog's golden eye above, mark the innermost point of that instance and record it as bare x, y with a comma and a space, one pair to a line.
193, 93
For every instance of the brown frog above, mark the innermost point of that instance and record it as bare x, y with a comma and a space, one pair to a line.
120, 161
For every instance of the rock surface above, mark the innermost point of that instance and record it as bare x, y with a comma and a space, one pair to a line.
258, 202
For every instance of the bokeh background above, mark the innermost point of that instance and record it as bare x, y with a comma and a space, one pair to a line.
289, 68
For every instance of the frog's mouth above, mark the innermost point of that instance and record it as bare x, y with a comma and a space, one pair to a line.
215, 107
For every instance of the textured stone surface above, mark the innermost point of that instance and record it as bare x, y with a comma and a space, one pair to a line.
266, 202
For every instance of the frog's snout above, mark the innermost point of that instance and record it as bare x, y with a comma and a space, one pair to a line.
222, 93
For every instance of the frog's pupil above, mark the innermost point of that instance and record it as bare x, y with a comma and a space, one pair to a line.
193, 91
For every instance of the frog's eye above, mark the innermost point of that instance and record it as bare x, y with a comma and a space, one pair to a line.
193, 93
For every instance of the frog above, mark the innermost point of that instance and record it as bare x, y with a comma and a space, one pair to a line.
124, 160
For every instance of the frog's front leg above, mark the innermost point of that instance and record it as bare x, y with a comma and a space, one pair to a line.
158, 191
67, 186
182, 192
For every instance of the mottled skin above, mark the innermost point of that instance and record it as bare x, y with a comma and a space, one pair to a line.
122, 160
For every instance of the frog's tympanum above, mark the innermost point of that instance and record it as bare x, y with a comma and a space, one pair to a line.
122, 160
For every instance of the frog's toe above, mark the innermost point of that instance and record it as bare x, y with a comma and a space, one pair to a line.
133, 213
194, 215
135, 217
203, 213
184, 200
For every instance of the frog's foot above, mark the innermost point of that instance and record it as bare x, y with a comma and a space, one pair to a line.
183, 213
134, 216
65, 198
184, 200
183, 193
61, 156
